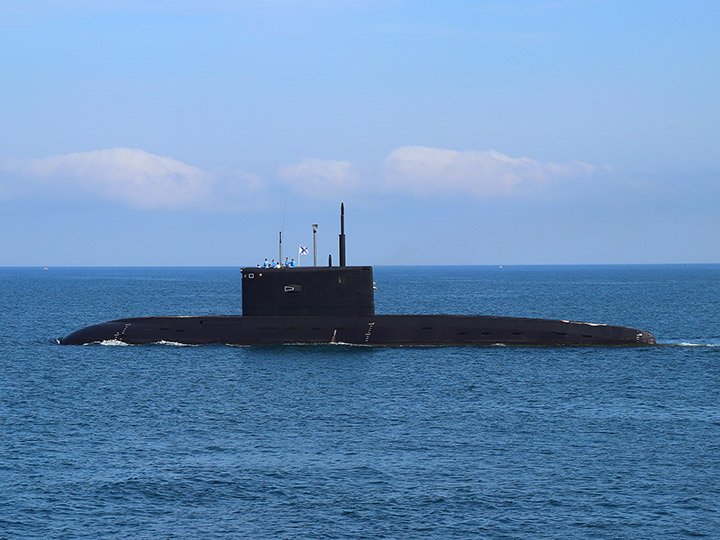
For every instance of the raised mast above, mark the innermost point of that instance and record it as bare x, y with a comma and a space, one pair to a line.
342, 234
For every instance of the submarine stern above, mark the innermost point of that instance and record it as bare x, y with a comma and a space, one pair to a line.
645, 338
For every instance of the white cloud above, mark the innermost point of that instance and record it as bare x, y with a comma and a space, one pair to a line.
320, 177
134, 177
142, 180
425, 171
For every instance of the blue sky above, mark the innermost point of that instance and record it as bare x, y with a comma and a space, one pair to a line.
488, 132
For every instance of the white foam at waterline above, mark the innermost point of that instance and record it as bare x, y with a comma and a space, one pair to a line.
324, 343
118, 343
688, 344
111, 343
174, 344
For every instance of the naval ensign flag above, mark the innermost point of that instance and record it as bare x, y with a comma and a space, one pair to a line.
303, 251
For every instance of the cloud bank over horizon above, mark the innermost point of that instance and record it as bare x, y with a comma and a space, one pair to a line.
425, 171
128, 176
324, 178
145, 181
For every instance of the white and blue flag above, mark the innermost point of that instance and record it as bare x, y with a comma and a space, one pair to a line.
303, 251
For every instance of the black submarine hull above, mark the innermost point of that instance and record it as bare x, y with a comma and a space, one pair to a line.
317, 305
376, 330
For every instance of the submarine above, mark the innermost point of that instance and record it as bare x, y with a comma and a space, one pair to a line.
336, 304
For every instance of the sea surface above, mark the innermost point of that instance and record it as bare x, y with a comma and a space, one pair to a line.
335, 441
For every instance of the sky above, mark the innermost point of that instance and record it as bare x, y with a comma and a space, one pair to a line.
179, 133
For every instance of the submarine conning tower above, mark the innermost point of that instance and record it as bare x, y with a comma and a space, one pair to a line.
310, 291
335, 291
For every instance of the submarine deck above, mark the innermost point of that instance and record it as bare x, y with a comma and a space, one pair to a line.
377, 330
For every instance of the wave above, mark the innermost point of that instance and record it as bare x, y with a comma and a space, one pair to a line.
118, 343
689, 344
173, 344
111, 343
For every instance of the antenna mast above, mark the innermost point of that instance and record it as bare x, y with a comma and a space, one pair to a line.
342, 234
314, 228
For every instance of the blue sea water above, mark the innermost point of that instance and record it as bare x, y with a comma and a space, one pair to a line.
163, 441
